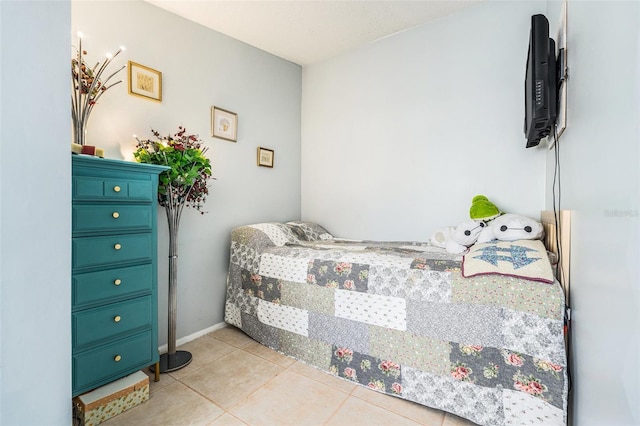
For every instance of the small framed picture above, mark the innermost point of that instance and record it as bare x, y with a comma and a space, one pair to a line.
224, 124
145, 82
265, 157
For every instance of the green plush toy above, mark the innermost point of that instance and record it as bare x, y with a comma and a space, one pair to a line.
483, 209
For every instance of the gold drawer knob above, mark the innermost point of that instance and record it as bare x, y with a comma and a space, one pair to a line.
117, 247
117, 282
117, 318
116, 188
115, 215
117, 358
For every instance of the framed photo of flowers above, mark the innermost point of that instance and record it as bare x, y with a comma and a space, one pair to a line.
224, 124
265, 157
145, 82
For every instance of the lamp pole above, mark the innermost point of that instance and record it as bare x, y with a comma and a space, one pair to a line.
173, 360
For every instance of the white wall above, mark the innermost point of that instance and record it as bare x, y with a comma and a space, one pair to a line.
200, 68
35, 211
600, 176
399, 136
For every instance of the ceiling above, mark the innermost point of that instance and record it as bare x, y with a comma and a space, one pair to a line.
309, 31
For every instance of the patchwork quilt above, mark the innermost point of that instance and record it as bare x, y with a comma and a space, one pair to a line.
399, 318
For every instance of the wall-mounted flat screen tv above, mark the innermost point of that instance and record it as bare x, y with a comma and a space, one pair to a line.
541, 83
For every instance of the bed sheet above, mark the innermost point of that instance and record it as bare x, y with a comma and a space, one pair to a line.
398, 317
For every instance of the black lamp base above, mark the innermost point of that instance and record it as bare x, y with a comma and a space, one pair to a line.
174, 361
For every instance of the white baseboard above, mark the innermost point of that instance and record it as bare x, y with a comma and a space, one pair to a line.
164, 348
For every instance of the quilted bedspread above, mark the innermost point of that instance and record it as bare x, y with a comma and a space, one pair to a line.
398, 317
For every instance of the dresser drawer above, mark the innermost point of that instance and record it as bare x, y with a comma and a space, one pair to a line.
95, 367
92, 325
102, 251
111, 217
96, 188
96, 287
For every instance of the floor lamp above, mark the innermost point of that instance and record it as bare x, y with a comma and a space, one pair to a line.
173, 359
184, 184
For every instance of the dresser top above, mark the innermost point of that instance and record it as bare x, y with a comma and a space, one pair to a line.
107, 163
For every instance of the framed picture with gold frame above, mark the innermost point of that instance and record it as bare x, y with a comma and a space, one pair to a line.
265, 157
144, 82
224, 124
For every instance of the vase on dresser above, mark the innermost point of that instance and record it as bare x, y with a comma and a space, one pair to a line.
79, 131
87, 86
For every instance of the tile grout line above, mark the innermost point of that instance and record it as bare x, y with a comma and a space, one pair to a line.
235, 349
199, 368
228, 410
290, 368
335, 412
287, 369
351, 394
205, 397
348, 394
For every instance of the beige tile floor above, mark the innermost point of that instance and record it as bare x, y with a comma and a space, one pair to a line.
234, 380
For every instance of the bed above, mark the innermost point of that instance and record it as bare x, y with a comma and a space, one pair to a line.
409, 319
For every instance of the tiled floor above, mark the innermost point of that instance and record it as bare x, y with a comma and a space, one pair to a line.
234, 380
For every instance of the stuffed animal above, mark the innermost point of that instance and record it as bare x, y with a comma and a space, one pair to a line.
511, 227
483, 209
456, 239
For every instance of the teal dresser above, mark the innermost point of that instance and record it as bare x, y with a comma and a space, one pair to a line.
114, 270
